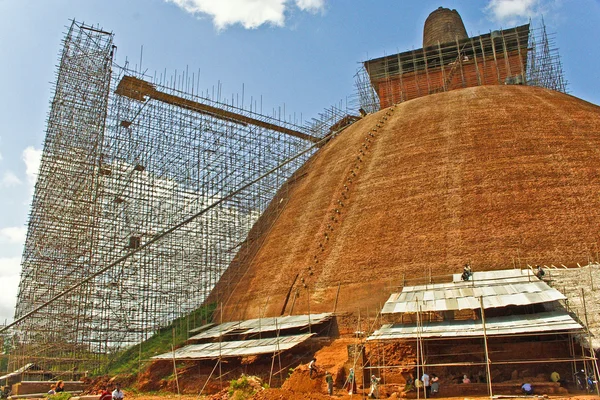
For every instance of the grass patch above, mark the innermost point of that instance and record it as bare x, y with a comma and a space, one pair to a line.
176, 333
59, 396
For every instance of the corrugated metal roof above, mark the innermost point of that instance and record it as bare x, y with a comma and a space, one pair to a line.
24, 368
202, 328
530, 323
497, 288
262, 325
238, 348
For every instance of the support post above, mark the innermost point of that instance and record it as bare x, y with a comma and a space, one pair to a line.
487, 355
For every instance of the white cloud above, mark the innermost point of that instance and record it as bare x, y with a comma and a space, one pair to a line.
10, 270
13, 234
32, 158
310, 5
511, 11
249, 13
9, 179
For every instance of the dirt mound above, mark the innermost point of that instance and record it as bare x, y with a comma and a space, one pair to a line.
152, 378
300, 381
282, 394
241, 388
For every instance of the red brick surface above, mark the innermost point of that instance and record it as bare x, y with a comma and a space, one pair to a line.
493, 174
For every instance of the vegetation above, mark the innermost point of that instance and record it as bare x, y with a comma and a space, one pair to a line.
132, 359
59, 396
244, 387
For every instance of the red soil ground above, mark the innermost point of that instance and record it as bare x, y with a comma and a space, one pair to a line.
279, 394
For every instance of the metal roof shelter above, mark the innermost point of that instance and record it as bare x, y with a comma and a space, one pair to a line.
485, 290
495, 288
239, 348
286, 338
554, 321
255, 326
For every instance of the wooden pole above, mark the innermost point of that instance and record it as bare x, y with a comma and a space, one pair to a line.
308, 300
209, 376
495, 58
279, 354
442, 66
483, 57
423, 358
415, 75
337, 295
460, 61
175, 364
487, 356
521, 59
220, 340
418, 377
506, 60
401, 72
427, 72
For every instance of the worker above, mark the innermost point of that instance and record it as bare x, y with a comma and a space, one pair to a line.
105, 394
329, 380
409, 386
117, 394
527, 388
435, 385
373, 394
539, 272
426, 384
52, 390
312, 368
467, 273
350, 382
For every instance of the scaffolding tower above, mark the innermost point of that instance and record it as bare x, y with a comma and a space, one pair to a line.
146, 192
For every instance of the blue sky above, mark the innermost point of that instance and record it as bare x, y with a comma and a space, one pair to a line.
303, 53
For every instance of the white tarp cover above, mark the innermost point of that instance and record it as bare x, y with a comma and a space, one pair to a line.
261, 325
238, 348
515, 324
496, 288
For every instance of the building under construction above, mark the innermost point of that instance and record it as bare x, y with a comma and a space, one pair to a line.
155, 197
450, 59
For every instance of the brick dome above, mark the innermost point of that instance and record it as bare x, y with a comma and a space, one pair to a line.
495, 175
443, 25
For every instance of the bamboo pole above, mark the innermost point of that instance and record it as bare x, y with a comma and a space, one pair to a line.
442, 66
209, 376
427, 72
476, 65
418, 377
460, 61
487, 356
495, 59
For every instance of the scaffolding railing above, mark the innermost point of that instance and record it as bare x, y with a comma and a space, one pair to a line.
519, 56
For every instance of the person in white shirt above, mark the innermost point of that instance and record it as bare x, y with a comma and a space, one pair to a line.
117, 394
312, 368
425, 379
